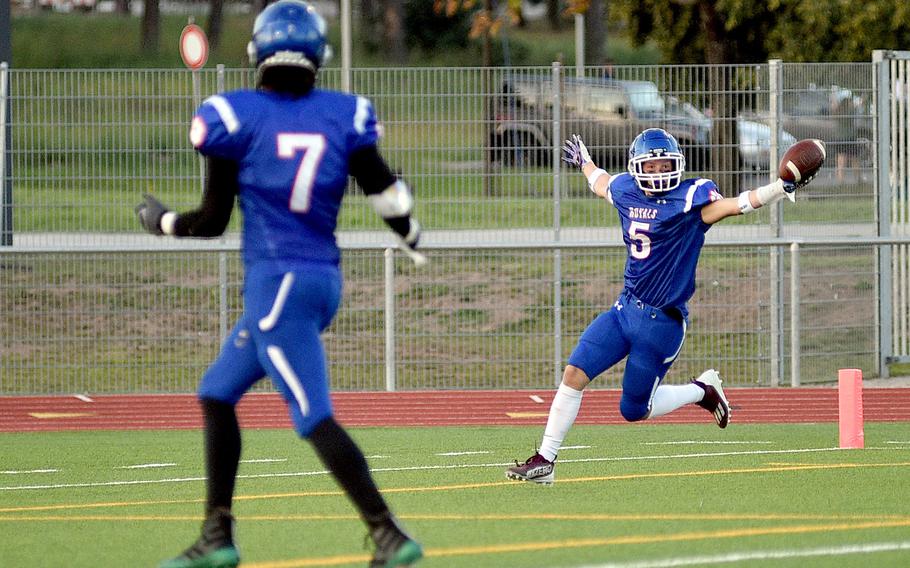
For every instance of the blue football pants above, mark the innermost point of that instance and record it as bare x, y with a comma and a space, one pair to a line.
650, 338
279, 335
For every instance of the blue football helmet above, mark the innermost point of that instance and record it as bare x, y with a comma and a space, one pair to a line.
656, 144
289, 33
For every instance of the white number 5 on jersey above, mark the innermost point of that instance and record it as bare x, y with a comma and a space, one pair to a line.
312, 146
640, 247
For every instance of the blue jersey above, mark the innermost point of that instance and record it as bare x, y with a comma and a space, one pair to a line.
292, 154
664, 234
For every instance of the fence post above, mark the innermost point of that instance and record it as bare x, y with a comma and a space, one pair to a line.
775, 84
346, 46
579, 45
390, 379
6, 180
794, 315
557, 254
881, 86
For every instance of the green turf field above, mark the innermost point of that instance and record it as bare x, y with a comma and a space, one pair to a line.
633, 495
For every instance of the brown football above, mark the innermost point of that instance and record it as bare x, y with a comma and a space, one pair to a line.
802, 160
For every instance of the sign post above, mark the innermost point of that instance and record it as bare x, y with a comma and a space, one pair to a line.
194, 50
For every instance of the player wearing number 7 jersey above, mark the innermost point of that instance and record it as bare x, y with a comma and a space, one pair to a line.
285, 150
664, 219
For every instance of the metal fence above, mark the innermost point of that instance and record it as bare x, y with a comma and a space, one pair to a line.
522, 255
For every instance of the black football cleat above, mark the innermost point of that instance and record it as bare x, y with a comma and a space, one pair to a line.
536, 469
394, 547
214, 548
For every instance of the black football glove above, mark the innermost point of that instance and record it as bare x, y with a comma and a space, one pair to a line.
150, 212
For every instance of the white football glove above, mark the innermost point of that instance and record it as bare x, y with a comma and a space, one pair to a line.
408, 244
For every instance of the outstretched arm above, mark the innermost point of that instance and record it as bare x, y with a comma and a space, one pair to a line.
575, 153
749, 201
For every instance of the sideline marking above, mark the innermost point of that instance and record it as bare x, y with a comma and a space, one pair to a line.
464, 453
527, 414
145, 466
424, 468
487, 517
575, 448
536, 398
588, 543
83, 398
13, 472
265, 460
759, 555
434, 488
695, 442
54, 415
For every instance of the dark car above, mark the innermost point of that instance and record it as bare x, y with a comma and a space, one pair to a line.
607, 113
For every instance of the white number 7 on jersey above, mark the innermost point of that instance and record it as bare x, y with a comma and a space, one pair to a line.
638, 233
312, 146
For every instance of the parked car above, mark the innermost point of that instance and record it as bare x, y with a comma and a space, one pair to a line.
607, 113
66, 5
755, 143
753, 137
838, 116
833, 114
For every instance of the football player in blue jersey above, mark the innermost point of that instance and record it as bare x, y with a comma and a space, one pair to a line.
285, 151
664, 220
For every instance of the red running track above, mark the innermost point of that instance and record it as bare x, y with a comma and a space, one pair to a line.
427, 408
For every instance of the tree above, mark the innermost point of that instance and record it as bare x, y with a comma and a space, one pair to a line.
596, 32
718, 33
151, 27
595, 12
216, 19
384, 27
553, 15
393, 38
843, 31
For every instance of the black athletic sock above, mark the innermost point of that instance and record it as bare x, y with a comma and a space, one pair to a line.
222, 453
344, 459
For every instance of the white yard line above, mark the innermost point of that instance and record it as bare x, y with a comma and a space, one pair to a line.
265, 460
428, 468
464, 453
13, 472
146, 466
758, 555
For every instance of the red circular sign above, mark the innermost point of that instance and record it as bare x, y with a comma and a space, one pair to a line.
194, 47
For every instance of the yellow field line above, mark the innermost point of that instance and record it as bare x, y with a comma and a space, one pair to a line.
586, 517
625, 477
587, 543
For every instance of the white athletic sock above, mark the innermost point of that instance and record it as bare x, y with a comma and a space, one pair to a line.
670, 397
562, 415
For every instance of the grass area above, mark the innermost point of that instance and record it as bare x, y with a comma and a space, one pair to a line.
642, 493
112, 41
108, 323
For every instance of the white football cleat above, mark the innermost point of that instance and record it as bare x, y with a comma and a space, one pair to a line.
714, 400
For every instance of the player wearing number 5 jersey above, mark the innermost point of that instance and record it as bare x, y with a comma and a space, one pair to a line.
285, 150
664, 219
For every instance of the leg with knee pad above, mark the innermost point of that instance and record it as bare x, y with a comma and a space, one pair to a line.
633, 410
